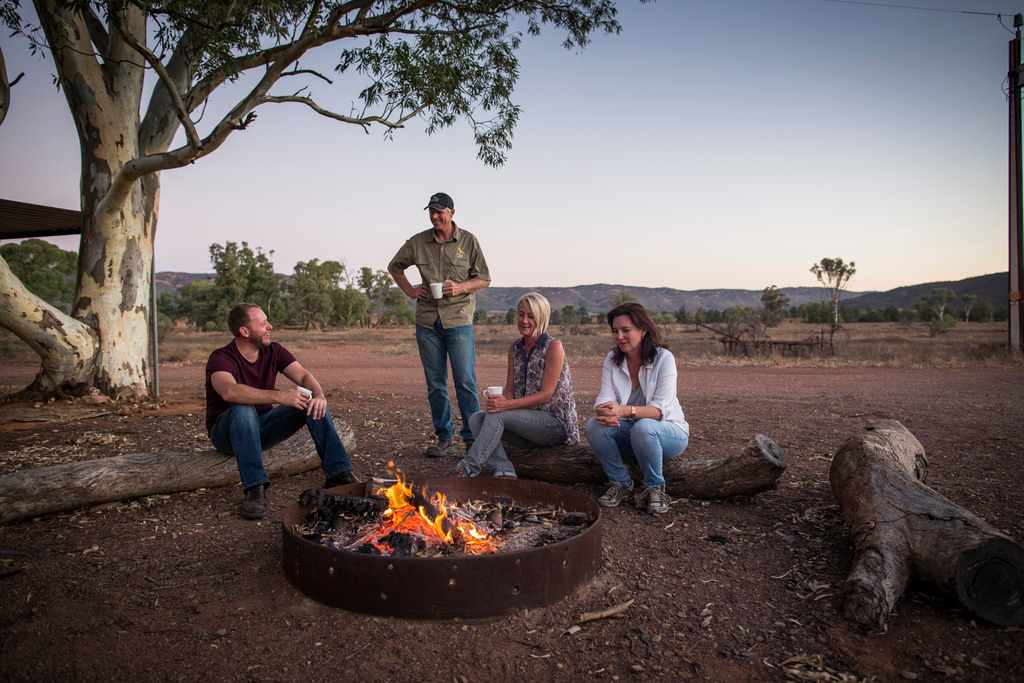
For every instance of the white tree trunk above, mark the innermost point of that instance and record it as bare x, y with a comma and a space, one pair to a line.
66, 346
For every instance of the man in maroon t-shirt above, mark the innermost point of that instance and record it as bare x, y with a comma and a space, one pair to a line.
240, 417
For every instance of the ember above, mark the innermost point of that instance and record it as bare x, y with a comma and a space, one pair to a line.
418, 523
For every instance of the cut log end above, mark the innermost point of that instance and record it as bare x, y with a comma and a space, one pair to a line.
990, 582
865, 604
771, 452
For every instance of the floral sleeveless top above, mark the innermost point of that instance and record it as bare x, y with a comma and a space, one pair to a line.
528, 377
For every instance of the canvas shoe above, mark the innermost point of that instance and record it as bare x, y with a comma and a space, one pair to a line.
653, 499
615, 494
442, 449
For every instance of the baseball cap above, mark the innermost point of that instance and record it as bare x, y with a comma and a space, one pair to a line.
440, 201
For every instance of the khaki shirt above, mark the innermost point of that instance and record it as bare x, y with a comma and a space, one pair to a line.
460, 259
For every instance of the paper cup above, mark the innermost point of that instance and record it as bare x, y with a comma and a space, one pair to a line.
437, 289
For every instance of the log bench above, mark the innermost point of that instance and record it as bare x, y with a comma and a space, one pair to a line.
755, 468
41, 490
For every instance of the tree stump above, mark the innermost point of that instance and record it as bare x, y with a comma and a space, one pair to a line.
903, 528
755, 468
42, 490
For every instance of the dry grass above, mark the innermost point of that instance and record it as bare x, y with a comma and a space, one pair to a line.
860, 344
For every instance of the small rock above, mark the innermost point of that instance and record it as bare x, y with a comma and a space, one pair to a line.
221, 632
909, 675
637, 668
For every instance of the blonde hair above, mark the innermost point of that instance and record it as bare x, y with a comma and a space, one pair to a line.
539, 307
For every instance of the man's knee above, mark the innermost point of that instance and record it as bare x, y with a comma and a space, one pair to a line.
243, 416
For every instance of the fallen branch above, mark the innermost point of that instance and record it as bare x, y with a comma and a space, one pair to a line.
605, 613
43, 490
903, 528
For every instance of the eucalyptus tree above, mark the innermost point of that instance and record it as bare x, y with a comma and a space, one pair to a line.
441, 61
834, 274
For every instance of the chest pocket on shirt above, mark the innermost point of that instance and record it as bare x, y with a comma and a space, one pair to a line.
457, 266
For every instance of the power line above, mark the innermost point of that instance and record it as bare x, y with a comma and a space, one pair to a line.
920, 8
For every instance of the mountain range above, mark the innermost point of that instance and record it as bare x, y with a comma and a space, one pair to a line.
598, 297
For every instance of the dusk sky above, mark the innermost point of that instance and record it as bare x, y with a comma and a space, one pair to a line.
713, 144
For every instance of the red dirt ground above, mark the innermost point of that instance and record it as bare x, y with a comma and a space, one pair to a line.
179, 588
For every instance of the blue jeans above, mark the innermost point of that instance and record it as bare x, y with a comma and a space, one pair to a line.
239, 431
437, 345
537, 427
649, 442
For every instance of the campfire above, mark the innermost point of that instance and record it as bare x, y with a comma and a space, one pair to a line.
408, 521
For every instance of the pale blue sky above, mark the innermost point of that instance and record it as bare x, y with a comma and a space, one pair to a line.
714, 143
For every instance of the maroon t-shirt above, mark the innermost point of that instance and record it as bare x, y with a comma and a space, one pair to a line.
260, 375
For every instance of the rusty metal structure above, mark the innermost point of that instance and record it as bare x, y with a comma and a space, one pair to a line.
463, 586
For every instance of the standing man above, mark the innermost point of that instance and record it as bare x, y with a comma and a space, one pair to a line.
240, 420
451, 263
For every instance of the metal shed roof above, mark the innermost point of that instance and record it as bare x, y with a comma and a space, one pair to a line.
19, 220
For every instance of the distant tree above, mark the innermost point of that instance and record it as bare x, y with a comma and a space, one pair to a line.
681, 316
313, 289
395, 309
891, 314
936, 303
834, 274
556, 317
774, 303
816, 312
45, 269
198, 304
245, 274
480, 317
983, 310
582, 315
167, 305
569, 315
510, 316
351, 307
969, 301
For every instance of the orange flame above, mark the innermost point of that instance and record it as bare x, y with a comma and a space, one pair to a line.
425, 515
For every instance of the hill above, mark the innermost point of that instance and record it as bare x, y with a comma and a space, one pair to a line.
992, 287
598, 297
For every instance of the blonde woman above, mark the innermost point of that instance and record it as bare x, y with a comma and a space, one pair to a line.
536, 404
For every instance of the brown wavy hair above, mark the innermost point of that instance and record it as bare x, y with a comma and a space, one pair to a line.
642, 319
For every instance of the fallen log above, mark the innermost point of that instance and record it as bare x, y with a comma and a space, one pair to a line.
903, 528
42, 490
755, 468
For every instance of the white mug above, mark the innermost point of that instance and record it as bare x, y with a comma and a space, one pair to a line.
493, 392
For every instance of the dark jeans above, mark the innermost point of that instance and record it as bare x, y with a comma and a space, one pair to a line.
241, 432
437, 345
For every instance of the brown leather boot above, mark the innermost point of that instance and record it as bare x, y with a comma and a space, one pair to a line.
254, 504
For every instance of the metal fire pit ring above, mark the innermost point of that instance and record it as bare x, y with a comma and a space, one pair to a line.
466, 586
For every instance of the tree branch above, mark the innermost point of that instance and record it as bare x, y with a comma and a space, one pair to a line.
97, 31
312, 72
5, 88
168, 83
363, 121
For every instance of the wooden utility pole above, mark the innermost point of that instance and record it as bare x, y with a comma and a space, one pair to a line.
1016, 195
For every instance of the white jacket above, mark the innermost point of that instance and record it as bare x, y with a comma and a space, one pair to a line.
657, 379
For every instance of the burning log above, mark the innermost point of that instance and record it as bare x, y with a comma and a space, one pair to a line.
901, 527
42, 490
755, 468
